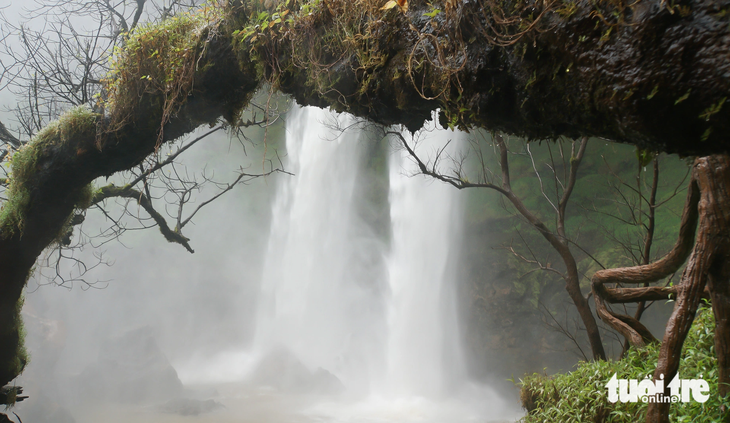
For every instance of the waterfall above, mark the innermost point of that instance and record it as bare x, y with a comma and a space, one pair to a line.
331, 301
338, 307
374, 309
324, 280
423, 344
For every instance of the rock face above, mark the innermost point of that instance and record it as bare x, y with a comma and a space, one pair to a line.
280, 369
131, 368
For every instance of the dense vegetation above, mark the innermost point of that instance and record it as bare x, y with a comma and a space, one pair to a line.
581, 395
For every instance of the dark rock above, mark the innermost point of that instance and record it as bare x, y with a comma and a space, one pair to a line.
131, 369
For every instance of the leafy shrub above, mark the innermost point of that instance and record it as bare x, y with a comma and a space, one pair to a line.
581, 395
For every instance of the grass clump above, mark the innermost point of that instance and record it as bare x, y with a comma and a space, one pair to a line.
160, 60
581, 395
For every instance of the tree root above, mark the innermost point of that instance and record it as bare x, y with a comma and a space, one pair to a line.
707, 206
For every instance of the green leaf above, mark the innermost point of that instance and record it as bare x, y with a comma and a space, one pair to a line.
644, 156
653, 92
432, 13
684, 97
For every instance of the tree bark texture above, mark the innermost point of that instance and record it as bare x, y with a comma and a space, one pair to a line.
647, 74
708, 265
627, 326
708, 207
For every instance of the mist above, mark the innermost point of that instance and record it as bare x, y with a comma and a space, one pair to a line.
326, 295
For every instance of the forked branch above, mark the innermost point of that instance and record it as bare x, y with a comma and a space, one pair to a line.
635, 332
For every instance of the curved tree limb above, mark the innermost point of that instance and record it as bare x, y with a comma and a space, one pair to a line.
630, 327
708, 265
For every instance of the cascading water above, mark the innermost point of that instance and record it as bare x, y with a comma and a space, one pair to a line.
422, 329
377, 312
324, 277
353, 320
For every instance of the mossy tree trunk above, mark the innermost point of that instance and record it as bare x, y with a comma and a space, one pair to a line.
653, 74
61, 161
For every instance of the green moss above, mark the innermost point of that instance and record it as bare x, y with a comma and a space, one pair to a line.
581, 395
713, 109
11, 215
158, 60
79, 122
22, 166
84, 196
21, 358
82, 199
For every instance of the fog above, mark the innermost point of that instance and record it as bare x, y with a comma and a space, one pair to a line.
328, 295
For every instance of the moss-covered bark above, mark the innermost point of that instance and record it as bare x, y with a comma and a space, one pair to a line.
655, 73
50, 176
652, 74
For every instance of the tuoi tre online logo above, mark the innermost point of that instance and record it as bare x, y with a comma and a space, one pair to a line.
681, 390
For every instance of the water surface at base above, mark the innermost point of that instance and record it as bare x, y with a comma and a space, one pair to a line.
244, 404
346, 313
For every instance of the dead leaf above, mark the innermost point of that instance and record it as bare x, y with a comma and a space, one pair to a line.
402, 5
389, 5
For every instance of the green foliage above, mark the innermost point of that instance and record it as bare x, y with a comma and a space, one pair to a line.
158, 59
653, 92
434, 11
713, 109
20, 358
684, 97
644, 156
581, 395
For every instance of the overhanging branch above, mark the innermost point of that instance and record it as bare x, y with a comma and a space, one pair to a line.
127, 191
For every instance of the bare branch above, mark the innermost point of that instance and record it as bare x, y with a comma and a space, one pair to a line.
144, 201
